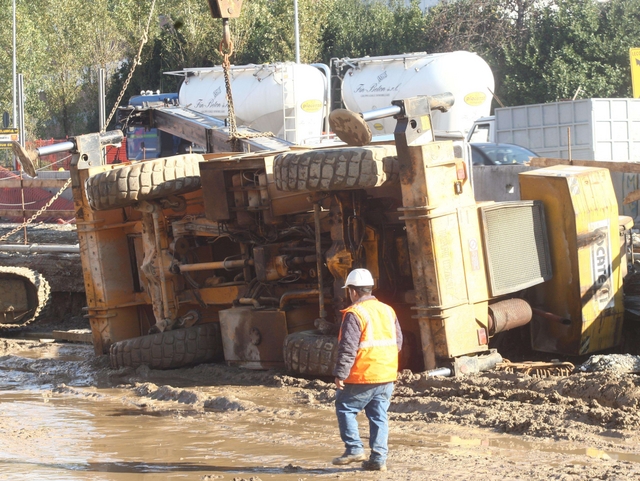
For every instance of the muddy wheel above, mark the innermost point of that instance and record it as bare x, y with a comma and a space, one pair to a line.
310, 353
336, 169
24, 297
147, 180
170, 349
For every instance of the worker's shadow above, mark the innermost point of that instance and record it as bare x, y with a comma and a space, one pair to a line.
142, 467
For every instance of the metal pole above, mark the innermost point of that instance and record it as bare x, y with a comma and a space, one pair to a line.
381, 113
316, 218
102, 111
15, 106
70, 248
24, 215
327, 95
297, 30
205, 266
21, 109
55, 148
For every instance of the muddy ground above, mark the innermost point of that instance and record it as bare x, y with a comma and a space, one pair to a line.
40, 233
218, 422
66, 415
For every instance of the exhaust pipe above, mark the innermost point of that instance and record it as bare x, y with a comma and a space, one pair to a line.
509, 314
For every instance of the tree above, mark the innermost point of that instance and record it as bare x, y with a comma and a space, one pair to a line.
31, 57
619, 20
356, 29
573, 45
538, 50
265, 32
486, 27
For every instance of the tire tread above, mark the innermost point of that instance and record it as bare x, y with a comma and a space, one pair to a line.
336, 169
152, 179
310, 353
170, 349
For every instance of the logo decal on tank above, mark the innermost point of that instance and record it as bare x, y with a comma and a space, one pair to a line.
311, 106
475, 98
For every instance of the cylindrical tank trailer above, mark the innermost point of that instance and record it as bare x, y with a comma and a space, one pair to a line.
291, 100
371, 83
287, 99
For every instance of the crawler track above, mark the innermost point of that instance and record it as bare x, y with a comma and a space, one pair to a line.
24, 296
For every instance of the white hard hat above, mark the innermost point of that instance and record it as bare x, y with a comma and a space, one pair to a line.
359, 278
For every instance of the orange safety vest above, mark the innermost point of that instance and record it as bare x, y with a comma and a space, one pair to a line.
377, 356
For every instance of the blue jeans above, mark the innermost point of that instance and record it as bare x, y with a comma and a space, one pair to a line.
375, 400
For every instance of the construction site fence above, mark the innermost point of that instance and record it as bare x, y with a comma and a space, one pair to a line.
22, 196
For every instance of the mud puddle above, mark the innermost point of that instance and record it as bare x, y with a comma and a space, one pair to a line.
67, 419
60, 352
470, 439
100, 434
47, 437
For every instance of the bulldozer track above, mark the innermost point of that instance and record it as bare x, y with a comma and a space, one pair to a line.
39, 297
537, 368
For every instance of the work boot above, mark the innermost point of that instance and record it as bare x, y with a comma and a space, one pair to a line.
370, 465
349, 458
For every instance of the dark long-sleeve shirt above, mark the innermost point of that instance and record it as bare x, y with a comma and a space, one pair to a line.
348, 347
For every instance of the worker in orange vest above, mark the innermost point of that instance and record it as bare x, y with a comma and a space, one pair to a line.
367, 366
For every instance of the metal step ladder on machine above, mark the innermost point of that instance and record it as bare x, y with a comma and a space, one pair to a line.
289, 105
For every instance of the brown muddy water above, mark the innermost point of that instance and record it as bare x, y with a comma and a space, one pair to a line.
65, 416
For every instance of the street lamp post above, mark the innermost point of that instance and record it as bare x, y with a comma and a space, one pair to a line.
15, 102
297, 30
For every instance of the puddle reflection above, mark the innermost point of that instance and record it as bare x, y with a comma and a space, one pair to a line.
62, 438
111, 434
519, 445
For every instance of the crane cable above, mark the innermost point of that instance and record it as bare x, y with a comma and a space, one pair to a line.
136, 62
226, 50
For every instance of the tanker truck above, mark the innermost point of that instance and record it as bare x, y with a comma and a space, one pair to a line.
287, 99
293, 101
370, 83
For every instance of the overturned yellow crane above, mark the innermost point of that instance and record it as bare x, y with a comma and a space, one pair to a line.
241, 253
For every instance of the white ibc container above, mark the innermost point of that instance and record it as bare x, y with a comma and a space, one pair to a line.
585, 129
286, 99
599, 129
374, 82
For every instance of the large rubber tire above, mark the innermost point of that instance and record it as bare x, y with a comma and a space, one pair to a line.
336, 169
151, 179
38, 294
310, 353
170, 349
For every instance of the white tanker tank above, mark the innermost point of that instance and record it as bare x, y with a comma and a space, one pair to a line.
373, 82
287, 99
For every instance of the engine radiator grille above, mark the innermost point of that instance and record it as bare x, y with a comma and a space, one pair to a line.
516, 246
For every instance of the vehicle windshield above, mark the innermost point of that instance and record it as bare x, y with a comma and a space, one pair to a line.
142, 144
500, 154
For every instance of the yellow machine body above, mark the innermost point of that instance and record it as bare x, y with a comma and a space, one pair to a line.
585, 293
445, 247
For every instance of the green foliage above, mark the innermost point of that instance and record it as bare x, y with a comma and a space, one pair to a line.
356, 28
538, 51
265, 32
573, 47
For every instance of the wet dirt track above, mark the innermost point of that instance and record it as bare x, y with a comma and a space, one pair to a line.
67, 416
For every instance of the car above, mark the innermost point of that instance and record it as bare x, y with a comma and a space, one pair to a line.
488, 153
